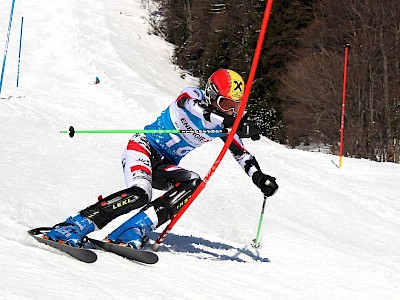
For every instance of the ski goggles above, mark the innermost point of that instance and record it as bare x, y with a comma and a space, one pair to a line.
224, 104
227, 104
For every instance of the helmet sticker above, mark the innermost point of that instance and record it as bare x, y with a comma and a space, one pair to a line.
236, 85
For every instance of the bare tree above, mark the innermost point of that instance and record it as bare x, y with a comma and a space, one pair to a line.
314, 80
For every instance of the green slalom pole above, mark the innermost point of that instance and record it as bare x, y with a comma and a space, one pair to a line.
71, 131
256, 242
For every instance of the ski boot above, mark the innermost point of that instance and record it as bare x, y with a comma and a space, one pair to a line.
132, 232
72, 231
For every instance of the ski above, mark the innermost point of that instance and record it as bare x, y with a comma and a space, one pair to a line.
143, 256
81, 254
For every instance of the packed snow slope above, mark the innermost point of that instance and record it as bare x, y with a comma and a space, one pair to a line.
328, 233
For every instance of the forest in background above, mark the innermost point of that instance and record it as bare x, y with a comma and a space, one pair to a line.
296, 97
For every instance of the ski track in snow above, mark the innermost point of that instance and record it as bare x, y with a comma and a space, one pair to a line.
327, 233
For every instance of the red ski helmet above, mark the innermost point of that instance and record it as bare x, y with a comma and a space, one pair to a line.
224, 89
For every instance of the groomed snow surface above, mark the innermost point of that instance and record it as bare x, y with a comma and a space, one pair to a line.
328, 233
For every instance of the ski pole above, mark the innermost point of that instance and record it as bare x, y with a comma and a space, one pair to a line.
256, 242
71, 131
19, 52
7, 41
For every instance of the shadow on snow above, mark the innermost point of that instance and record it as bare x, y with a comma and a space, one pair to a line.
205, 249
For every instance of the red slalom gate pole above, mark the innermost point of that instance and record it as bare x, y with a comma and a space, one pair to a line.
235, 126
346, 56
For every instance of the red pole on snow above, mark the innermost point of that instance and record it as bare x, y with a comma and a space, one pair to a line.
346, 55
246, 94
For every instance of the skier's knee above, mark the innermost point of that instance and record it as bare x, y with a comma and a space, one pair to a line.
172, 201
115, 205
165, 177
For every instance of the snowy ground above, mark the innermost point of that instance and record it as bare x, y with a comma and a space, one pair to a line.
327, 233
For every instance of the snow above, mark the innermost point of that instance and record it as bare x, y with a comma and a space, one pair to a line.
328, 233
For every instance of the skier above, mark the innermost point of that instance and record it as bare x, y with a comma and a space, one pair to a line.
152, 161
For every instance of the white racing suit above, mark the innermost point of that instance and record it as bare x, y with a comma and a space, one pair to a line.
151, 161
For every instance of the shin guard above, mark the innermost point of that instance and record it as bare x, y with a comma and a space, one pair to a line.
172, 201
115, 205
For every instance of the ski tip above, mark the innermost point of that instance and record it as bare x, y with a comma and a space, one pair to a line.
39, 230
81, 254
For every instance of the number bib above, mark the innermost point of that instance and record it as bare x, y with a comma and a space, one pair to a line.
174, 146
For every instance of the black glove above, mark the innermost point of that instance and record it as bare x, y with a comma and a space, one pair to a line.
248, 129
265, 183
228, 121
